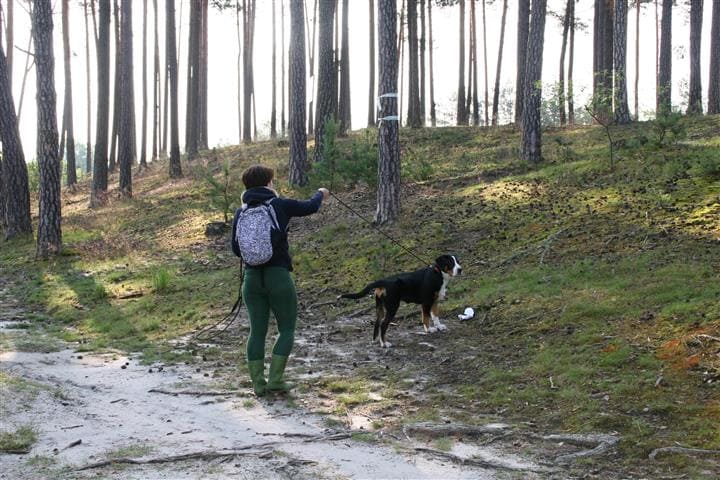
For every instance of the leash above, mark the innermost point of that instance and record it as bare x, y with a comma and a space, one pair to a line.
374, 226
229, 319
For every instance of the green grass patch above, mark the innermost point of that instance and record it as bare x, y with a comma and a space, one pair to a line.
19, 440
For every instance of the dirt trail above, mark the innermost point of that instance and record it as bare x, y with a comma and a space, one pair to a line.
111, 403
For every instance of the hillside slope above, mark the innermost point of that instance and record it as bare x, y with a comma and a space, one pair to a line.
597, 288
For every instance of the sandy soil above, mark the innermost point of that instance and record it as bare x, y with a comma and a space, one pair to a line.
113, 406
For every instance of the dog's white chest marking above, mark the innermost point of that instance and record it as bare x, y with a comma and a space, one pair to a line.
443, 289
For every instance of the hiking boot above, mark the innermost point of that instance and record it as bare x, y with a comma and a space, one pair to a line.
257, 375
275, 377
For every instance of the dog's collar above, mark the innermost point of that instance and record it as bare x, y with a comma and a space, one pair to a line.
437, 269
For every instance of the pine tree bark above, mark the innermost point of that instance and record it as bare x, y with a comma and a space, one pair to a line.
496, 90
561, 75
248, 35
116, 90
88, 102
423, 41
433, 113
273, 108
143, 122
311, 42
193, 82
473, 65
695, 105
49, 239
603, 59
126, 134
156, 85
531, 127
371, 65
413, 113
296, 97
325, 102
522, 44
622, 112
714, 83
388, 193
664, 98
283, 87
461, 114
202, 80
344, 106
172, 73
100, 161
570, 96
637, 59
9, 40
485, 68
68, 105
14, 189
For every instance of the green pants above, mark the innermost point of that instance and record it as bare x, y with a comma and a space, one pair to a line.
266, 289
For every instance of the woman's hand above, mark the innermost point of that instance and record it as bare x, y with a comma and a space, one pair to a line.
325, 192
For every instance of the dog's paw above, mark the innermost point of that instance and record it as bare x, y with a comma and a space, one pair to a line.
432, 329
387, 345
441, 327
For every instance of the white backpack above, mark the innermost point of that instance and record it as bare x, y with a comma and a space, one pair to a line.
253, 233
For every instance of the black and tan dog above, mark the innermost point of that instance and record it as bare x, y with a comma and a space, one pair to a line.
425, 287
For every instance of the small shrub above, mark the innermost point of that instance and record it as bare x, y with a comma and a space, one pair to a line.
33, 176
416, 168
161, 280
345, 169
706, 167
223, 194
669, 129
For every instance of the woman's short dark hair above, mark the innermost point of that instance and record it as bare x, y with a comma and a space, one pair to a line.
257, 176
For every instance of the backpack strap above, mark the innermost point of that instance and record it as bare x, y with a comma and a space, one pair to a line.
273, 214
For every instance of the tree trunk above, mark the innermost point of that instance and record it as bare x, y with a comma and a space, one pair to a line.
14, 189
325, 103
100, 161
695, 97
413, 113
283, 87
637, 59
714, 83
531, 127
172, 69
249, 33
116, 88
156, 86
570, 96
49, 239
202, 80
240, 64
371, 66
344, 107
388, 193
68, 104
401, 56
522, 43
311, 41
561, 76
473, 65
472, 71
461, 112
664, 100
496, 90
603, 59
126, 138
422, 62
336, 61
193, 82
88, 146
273, 108
296, 98
143, 122
10, 41
433, 114
622, 112
485, 63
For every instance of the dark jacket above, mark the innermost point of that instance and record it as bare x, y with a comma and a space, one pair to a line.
285, 209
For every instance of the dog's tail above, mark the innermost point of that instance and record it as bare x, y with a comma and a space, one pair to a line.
364, 291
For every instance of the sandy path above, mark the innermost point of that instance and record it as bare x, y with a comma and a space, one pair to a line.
109, 408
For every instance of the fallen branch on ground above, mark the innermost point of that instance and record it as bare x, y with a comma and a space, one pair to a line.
684, 450
601, 444
198, 393
444, 430
480, 463
261, 450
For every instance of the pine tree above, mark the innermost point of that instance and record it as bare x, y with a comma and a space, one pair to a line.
126, 133
622, 112
100, 161
531, 127
296, 98
325, 102
695, 94
172, 73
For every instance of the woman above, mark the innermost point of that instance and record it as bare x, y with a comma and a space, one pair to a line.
269, 287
